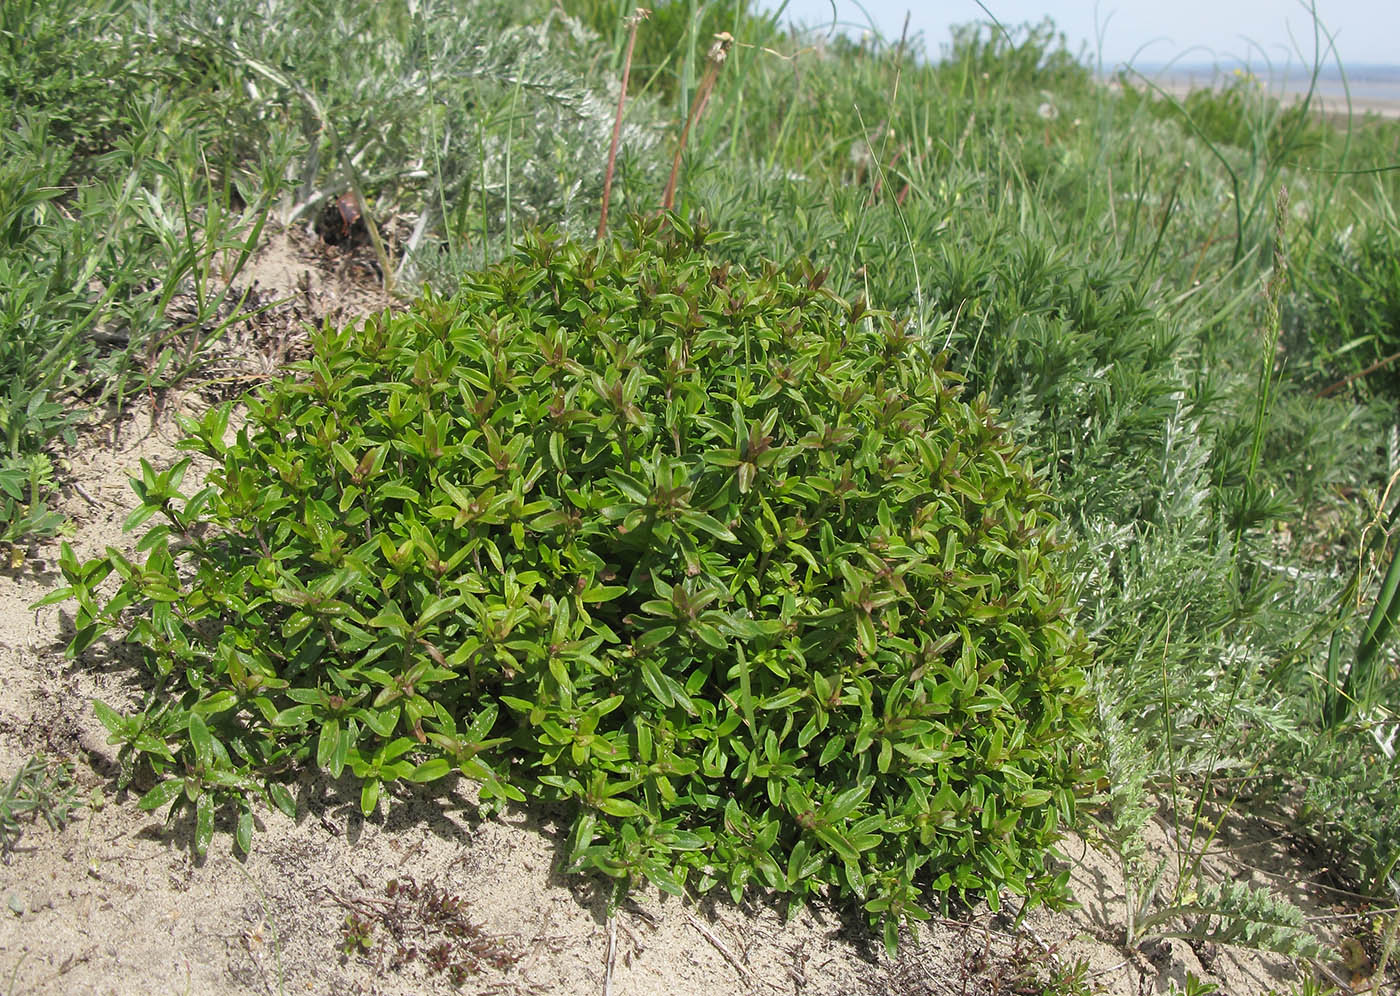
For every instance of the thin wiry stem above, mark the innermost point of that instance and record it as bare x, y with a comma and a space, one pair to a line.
638, 16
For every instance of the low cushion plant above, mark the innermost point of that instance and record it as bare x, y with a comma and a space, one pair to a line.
716, 560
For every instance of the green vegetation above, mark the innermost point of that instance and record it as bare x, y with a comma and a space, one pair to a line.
716, 559
39, 788
1198, 366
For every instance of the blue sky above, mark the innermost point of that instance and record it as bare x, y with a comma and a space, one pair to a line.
1366, 31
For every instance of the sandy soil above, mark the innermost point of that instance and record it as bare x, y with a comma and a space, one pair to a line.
113, 903
1329, 105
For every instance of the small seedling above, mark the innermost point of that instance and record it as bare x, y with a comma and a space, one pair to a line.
357, 935
1195, 986
40, 788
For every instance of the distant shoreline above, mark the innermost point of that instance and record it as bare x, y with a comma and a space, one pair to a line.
1368, 95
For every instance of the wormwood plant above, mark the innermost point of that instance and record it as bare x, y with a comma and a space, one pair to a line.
467, 121
715, 559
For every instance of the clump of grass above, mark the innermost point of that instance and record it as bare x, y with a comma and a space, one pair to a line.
1344, 316
108, 215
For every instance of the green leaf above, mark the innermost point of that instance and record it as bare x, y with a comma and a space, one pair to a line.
243, 836
832, 750
709, 524
221, 701
328, 745
341, 751
53, 598
665, 880
579, 839
854, 878
162, 793
782, 699
602, 592
843, 806
369, 796
431, 771
381, 721
745, 687
343, 457
838, 843
109, 718
282, 799
656, 683
202, 741
615, 806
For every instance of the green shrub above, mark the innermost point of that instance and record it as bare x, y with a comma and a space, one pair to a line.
1027, 56
86, 100
714, 559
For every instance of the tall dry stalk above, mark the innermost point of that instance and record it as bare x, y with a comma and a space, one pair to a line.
719, 51
638, 16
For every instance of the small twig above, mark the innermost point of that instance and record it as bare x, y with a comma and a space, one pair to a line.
720, 946
1337, 917
1387, 948
638, 16
1336, 979
1331, 388
612, 954
1111, 969
1029, 931
82, 493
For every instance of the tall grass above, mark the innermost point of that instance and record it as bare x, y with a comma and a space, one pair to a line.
109, 208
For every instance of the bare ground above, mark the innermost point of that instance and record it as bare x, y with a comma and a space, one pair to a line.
114, 902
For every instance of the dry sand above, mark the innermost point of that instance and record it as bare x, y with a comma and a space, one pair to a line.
1329, 105
114, 903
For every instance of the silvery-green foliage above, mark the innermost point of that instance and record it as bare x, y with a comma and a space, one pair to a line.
459, 121
1186, 453
1126, 806
1238, 913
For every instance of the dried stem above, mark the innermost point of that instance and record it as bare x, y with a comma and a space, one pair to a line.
1345, 381
719, 51
612, 952
638, 16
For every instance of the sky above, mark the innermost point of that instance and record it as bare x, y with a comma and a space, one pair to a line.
1367, 32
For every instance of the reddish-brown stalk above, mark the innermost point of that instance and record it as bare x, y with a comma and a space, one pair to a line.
717, 54
638, 16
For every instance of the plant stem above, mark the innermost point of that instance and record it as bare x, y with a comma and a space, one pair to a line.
639, 15
718, 52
